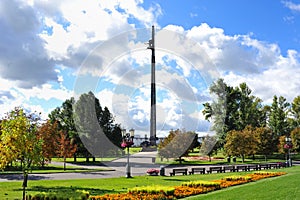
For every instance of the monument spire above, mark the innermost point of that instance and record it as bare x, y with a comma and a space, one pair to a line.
153, 92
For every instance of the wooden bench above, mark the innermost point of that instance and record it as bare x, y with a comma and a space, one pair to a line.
230, 168
264, 166
241, 167
252, 167
214, 169
282, 164
200, 170
274, 165
182, 171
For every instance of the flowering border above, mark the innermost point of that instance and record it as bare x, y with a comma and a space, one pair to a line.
187, 188
152, 172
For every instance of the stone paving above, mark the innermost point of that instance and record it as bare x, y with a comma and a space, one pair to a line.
139, 162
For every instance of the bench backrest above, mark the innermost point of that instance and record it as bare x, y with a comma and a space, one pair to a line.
198, 169
215, 168
179, 170
228, 167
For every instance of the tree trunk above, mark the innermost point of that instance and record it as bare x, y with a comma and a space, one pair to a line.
75, 158
87, 158
243, 158
64, 164
24, 185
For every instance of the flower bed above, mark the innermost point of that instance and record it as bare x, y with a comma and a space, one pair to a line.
186, 189
152, 172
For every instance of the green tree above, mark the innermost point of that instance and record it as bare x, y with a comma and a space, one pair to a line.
295, 111
233, 109
250, 109
179, 146
265, 141
209, 146
241, 143
217, 111
282, 144
96, 125
162, 151
295, 136
20, 142
64, 117
278, 120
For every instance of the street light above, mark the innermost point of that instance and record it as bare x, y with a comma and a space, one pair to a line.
127, 142
288, 146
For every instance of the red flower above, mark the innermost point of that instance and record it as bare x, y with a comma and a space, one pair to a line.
123, 144
126, 144
288, 146
150, 171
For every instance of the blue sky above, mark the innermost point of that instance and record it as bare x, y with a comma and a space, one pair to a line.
267, 20
52, 50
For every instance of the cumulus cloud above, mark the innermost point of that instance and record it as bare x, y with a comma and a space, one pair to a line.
292, 6
281, 79
37, 36
22, 58
101, 37
185, 58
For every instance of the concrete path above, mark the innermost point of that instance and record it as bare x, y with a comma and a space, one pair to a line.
139, 162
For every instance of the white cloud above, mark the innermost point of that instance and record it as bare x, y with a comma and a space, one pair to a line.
292, 6
281, 79
19, 24
46, 92
45, 34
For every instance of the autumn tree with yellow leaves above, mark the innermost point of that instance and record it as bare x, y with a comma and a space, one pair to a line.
19, 142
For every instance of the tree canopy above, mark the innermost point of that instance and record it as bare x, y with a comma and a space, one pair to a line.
177, 144
241, 143
233, 109
19, 141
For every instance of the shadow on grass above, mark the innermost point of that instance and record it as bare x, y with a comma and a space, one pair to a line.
68, 191
171, 179
90, 163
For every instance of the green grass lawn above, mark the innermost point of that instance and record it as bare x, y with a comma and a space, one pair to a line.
51, 169
284, 187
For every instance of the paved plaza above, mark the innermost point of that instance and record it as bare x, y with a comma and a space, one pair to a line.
140, 163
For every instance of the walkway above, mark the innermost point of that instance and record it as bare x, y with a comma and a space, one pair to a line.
139, 163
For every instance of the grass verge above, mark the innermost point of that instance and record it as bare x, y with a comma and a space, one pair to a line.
273, 188
283, 187
53, 169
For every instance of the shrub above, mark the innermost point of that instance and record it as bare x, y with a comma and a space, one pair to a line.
155, 189
186, 189
237, 178
201, 183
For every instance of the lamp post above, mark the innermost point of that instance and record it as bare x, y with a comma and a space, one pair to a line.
288, 146
127, 142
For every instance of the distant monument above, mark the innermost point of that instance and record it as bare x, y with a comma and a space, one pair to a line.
153, 92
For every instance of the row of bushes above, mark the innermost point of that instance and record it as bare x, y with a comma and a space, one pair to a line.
84, 195
167, 192
186, 189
